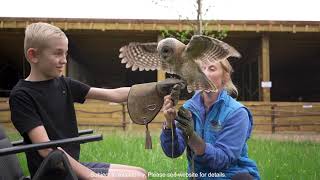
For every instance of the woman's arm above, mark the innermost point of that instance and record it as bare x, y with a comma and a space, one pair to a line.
229, 143
169, 132
166, 142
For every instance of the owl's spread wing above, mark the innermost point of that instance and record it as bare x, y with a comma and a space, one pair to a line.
142, 56
200, 82
205, 48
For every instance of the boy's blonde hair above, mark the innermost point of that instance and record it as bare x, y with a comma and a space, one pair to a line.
37, 34
228, 84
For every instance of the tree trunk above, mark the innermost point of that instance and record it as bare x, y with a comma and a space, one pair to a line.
199, 18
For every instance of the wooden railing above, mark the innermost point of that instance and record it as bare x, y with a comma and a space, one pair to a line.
272, 117
4, 110
105, 115
285, 116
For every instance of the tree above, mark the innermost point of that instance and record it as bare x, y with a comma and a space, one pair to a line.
200, 28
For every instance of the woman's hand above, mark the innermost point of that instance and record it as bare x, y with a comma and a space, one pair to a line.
169, 111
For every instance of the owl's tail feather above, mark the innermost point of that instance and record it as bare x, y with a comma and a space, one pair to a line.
201, 87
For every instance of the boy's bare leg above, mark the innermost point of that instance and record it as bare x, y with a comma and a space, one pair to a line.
124, 172
132, 172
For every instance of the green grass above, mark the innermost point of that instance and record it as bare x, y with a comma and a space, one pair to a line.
276, 160
129, 149
286, 160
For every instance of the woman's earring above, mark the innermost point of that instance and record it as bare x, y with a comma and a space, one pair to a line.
222, 82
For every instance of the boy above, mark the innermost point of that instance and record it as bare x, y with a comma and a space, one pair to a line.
42, 104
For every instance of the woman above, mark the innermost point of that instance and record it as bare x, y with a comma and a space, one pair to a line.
214, 128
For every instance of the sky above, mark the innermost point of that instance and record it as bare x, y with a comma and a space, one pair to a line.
287, 10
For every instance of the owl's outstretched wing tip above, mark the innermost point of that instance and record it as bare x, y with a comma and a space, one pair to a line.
234, 53
128, 65
122, 49
134, 67
124, 60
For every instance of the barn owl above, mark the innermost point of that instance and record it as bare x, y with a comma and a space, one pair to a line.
172, 56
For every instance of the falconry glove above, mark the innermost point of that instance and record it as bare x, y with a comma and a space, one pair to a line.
186, 125
146, 100
185, 122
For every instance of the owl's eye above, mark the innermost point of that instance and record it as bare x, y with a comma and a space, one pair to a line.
166, 50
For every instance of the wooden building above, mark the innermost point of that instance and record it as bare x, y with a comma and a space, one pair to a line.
283, 54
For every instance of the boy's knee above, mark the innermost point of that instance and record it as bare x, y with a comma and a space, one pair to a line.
242, 176
141, 173
142, 170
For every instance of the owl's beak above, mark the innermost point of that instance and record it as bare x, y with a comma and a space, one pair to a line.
164, 56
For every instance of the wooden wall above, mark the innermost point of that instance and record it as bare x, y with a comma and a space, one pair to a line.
4, 110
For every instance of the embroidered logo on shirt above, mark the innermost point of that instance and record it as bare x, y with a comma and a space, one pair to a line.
216, 125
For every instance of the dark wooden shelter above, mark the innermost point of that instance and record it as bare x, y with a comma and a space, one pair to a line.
283, 53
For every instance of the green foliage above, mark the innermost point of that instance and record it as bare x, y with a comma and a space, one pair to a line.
185, 35
216, 34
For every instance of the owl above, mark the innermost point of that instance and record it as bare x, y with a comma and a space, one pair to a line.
175, 57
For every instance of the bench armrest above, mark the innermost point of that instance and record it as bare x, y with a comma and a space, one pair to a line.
50, 144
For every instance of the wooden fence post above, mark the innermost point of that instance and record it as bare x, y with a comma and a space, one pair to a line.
273, 118
123, 117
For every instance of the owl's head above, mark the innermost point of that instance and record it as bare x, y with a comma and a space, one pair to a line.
170, 48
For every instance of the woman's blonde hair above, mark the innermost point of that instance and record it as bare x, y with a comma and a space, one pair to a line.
228, 84
37, 35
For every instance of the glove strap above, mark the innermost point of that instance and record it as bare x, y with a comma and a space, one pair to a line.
148, 144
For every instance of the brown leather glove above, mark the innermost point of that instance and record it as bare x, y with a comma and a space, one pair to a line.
171, 86
146, 100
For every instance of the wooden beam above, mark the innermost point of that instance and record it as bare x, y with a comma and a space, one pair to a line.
265, 68
64, 71
156, 25
161, 75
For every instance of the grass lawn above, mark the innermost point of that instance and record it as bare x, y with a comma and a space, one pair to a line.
276, 160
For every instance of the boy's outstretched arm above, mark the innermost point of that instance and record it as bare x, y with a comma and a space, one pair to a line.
117, 95
120, 95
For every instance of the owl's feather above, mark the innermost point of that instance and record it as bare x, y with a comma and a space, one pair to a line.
142, 56
204, 48
201, 82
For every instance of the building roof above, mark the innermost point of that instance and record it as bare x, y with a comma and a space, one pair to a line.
158, 25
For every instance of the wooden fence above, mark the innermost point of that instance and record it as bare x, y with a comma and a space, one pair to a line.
285, 116
272, 117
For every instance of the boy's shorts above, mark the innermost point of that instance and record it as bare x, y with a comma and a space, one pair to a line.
98, 167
